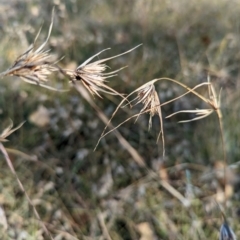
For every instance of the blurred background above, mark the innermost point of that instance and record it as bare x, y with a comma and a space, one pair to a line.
107, 194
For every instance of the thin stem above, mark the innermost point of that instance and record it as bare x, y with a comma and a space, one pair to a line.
219, 114
105, 231
132, 151
10, 165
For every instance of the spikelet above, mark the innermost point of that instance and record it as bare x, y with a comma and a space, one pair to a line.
93, 75
150, 100
146, 95
9, 130
35, 65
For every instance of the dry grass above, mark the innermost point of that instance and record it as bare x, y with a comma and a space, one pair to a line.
92, 75
8, 131
35, 65
126, 189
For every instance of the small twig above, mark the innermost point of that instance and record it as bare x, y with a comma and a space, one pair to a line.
170, 189
175, 193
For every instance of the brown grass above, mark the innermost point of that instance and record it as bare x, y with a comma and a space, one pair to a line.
35, 65
93, 76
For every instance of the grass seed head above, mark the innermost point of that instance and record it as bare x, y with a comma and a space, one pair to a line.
150, 100
93, 75
213, 101
32, 66
93, 78
35, 65
9, 130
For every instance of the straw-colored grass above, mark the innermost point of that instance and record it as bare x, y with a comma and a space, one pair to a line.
130, 187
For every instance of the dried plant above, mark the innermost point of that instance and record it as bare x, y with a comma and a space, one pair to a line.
150, 100
125, 144
35, 65
213, 101
9, 130
92, 74
147, 95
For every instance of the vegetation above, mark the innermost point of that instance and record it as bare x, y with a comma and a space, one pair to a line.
101, 154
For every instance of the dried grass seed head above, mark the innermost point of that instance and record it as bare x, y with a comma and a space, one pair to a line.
93, 75
32, 66
35, 65
212, 100
148, 96
9, 130
151, 102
